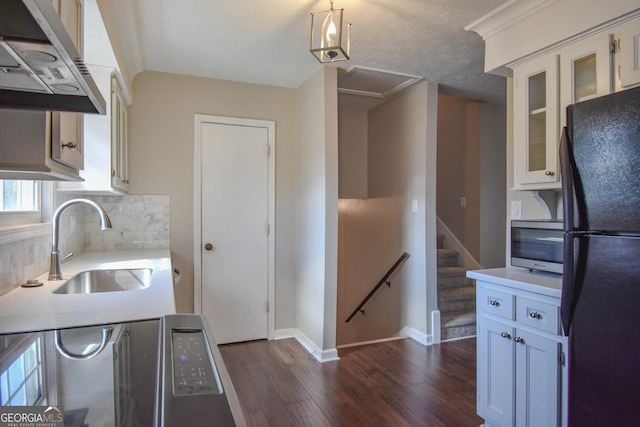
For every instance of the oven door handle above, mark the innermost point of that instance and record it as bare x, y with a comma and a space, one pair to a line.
106, 336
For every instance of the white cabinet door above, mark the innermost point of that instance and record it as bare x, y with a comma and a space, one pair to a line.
496, 372
119, 141
585, 72
538, 380
536, 131
67, 132
629, 54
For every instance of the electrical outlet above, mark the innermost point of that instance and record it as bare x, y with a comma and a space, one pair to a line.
516, 209
463, 202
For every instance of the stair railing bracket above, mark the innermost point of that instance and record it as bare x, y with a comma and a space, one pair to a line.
384, 280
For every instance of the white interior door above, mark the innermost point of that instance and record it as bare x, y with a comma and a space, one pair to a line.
234, 246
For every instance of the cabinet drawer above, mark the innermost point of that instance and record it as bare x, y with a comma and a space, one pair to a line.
496, 302
538, 314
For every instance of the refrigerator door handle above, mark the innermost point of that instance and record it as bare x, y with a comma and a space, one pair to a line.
566, 305
568, 189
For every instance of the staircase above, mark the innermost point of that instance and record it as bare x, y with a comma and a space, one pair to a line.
456, 296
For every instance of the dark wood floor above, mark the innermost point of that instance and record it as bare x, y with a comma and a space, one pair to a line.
396, 383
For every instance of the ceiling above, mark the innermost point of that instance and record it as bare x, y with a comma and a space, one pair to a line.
267, 42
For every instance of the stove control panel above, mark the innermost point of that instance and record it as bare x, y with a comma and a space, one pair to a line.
193, 374
192, 368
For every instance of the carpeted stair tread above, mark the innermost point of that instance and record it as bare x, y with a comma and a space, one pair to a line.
452, 270
464, 292
453, 277
456, 295
458, 318
447, 257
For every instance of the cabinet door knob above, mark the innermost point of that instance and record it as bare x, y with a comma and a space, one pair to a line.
506, 335
549, 173
70, 145
494, 303
208, 246
535, 315
519, 339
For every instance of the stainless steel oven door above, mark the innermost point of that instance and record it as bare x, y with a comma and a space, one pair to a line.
98, 375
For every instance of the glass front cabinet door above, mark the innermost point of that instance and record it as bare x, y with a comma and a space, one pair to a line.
536, 129
585, 72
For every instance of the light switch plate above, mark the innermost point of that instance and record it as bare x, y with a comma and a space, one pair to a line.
516, 209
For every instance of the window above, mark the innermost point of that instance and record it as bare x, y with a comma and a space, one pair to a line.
21, 379
20, 202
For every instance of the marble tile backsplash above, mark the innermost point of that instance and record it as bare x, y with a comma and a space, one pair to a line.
139, 222
23, 259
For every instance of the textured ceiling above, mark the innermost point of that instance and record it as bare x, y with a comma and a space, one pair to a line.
267, 42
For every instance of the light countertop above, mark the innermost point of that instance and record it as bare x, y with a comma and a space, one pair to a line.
538, 282
33, 309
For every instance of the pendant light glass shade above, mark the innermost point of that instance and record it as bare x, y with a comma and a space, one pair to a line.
330, 35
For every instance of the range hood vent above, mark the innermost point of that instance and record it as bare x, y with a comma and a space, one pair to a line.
40, 67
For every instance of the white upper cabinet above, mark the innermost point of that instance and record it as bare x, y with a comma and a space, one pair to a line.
579, 56
535, 124
106, 168
585, 72
627, 46
119, 140
67, 134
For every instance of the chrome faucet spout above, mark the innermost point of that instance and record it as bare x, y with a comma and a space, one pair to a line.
105, 224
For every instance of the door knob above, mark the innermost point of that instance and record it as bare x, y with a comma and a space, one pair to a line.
208, 246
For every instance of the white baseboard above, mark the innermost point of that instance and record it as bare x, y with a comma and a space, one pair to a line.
280, 334
416, 335
357, 344
332, 354
320, 355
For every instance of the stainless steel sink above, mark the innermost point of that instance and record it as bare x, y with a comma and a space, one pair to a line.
89, 282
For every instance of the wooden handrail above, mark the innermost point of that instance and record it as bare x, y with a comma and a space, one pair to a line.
384, 280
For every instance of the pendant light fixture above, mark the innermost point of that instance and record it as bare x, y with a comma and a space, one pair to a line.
330, 35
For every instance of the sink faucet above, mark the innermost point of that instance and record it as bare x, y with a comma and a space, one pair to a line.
105, 224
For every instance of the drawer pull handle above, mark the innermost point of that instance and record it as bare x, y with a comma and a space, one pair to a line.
506, 335
494, 303
535, 315
519, 339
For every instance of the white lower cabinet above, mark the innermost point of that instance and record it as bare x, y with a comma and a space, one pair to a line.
520, 357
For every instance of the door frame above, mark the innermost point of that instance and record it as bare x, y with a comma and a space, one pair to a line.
270, 126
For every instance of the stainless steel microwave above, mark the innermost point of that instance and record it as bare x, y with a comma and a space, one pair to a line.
537, 245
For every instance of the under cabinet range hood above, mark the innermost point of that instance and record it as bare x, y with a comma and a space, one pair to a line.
40, 67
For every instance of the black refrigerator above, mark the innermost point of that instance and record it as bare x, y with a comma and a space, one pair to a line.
600, 310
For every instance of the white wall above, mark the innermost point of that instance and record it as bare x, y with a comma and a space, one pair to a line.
352, 159
459, 169
402, 165
317, 209
161, 139
492, 186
